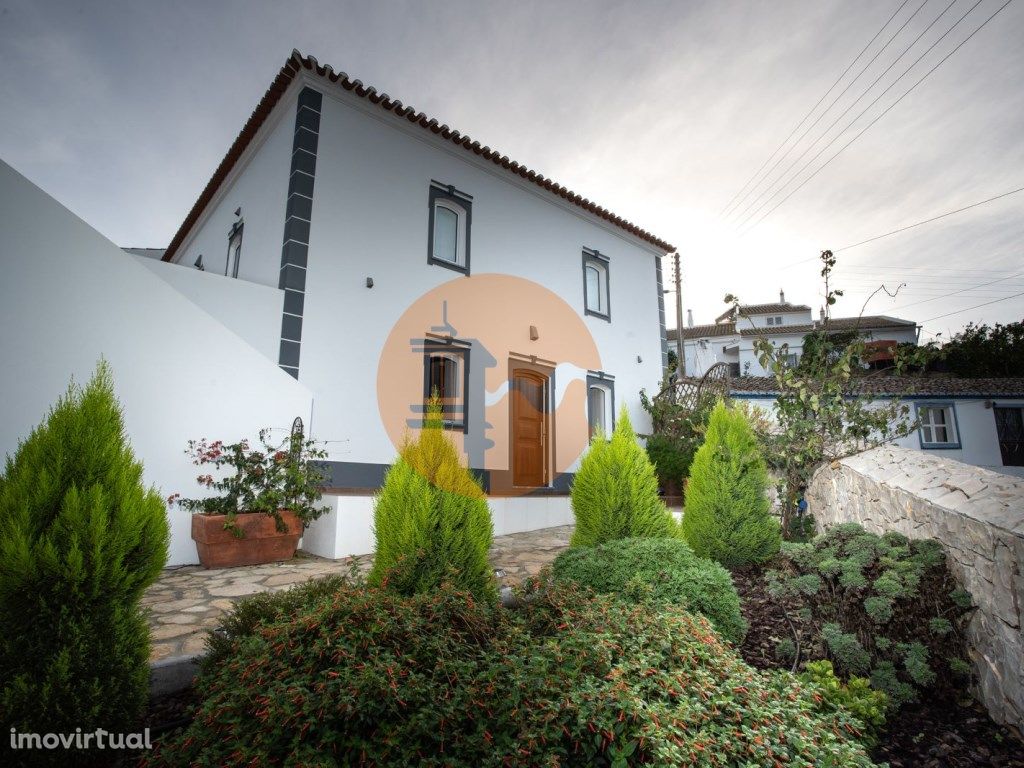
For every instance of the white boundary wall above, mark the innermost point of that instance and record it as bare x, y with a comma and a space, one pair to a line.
979, 518
69, 296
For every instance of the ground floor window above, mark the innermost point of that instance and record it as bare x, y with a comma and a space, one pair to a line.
445, 375
938, 425
600, 404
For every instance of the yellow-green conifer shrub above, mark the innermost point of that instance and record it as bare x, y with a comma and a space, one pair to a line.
615, 492
431, 520
728, 514
81, 538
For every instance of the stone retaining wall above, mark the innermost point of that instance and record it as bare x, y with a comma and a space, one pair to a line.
978, 516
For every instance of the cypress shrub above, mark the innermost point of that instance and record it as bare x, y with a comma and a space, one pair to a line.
727, 514
431, 521
615, 492
657, 571
80, 540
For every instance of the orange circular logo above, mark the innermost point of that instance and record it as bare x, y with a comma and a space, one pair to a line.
508, 359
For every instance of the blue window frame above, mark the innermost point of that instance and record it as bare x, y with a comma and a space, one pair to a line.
938, 425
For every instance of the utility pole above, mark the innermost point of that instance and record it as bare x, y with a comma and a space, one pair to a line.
680, 359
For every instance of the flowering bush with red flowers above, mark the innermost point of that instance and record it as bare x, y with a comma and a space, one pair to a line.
358, 675
267, 478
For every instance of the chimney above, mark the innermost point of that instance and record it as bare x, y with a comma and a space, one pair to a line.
782, 296
689, 318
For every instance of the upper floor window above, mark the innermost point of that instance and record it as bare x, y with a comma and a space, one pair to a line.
451, 214
445, 376
234, 249
595, 284
771, 321
938, 425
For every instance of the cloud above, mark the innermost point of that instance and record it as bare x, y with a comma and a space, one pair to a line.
659, 110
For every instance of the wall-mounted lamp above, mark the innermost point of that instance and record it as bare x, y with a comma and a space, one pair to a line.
534, 335
199, 263
369, 282
639, 359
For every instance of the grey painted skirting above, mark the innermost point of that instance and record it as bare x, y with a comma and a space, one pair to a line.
354, 475
298, 213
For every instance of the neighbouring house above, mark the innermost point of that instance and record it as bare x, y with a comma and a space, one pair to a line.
378, 256
975, 421
730, 339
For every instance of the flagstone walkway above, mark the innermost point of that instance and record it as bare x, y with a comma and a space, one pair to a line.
186, 602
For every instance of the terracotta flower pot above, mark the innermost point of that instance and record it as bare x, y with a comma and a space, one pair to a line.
261, 542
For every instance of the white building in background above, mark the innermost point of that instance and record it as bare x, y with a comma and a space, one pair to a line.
976, 421
360, 255
730, 339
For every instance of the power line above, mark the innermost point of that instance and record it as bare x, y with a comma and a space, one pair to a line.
886, 110
811, 112
954, 293
929, 221
976, 306
772, 186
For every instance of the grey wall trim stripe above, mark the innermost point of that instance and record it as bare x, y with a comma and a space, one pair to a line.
298, 212
661, 313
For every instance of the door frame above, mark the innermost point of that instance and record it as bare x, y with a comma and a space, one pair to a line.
546, 369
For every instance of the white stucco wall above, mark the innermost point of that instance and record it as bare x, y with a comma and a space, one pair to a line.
975, 423
251, 310
700, 357
258, 185
69, 296
370, 219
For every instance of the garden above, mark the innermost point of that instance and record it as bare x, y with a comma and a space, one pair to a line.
734, 636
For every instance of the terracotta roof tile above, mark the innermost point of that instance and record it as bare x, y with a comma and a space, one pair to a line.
297, 62
910, 386
704, 331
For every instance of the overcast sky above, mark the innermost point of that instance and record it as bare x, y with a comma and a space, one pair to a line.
660, 111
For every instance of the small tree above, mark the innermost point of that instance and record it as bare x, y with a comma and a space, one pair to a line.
615, 492
981, 351
80, 540
821, 413
431, 520
728, 514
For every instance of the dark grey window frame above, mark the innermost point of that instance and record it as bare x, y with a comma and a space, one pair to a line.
447, 192
596, 257
607, 381
237, 229
432, 347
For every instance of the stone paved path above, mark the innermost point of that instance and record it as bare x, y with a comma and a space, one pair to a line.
188, 601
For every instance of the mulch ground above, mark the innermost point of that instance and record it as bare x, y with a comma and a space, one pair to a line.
933, 733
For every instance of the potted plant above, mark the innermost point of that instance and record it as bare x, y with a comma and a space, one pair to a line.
262, 508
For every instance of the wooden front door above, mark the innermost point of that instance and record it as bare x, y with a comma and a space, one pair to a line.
529, 428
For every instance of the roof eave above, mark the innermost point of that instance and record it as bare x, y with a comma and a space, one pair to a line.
297, 63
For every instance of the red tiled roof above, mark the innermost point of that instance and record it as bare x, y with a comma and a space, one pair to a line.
900, 386
704, 331
296, 63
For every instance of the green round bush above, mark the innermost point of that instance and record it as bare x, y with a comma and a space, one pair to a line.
664, 570
372, 677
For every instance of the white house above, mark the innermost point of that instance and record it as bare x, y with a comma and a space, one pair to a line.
976, 421
730, 339
375, 256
